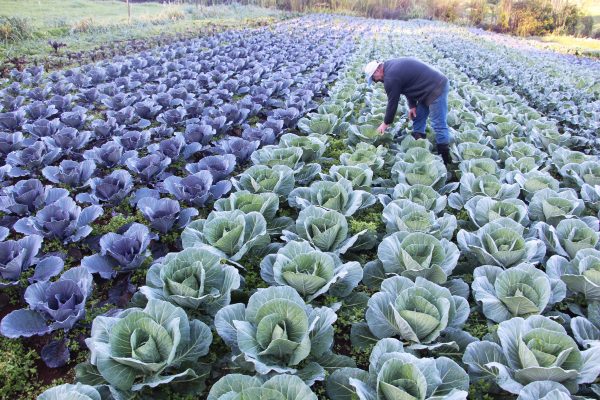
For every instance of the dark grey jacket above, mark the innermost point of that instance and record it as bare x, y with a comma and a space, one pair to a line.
412, 78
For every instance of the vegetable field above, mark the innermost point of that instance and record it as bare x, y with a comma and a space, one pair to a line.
219, 219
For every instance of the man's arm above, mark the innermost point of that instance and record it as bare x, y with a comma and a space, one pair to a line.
393, 98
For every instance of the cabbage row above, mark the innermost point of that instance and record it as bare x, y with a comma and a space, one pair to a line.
336, 262
565, 89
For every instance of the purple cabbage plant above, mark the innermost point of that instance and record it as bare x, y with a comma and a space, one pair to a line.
147, 108
52, 306
173, 117
37, 155
71, 173
242, 149
12, 121
112, 189
265, 136
67, 140
120, 252
134, 140
220, 167
39, 109
10, 142
105, 129
129, 118
74, 119
150, 167
171, 147
63, 220
28, 196
16, 256
61, 302
289, 116
109, 155
165, 214
63, 103
196, 189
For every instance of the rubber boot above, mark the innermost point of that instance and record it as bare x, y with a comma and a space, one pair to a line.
444, 151
418, 135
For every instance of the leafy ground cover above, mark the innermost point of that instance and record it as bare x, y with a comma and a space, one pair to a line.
219, 219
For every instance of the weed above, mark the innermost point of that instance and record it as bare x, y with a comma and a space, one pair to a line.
480, 390
477, 325
17, 368
335, 149
369, 219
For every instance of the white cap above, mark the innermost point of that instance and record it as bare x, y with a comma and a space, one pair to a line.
370, 70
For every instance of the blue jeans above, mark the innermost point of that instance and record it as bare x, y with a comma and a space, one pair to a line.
438, 110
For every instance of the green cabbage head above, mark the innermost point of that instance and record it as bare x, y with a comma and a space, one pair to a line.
194, 279
311, 272
415, 311
232, 233
531, 350
395, 374
581, 274
326, 230
418, 254
70, 392
519, 291
501, 242
146, 348
244, 387
277, 331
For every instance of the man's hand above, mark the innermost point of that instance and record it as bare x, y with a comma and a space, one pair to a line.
412, 113
382, 128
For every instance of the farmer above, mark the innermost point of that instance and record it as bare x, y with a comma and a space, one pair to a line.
426, 90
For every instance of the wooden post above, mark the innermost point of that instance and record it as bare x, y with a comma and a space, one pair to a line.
128, 12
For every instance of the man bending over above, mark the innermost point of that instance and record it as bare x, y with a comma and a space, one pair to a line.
426, 90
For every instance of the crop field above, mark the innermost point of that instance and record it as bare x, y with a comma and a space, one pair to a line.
218, 218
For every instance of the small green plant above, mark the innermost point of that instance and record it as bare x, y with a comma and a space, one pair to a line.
461, 215
17, 368
52, 245
335, 149
114, 224
138, 277
252, 276
369, 219
480, 390
477, 325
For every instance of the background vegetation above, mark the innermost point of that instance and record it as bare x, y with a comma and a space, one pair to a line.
60, 33
522, 17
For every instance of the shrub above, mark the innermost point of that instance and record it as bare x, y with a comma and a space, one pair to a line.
13, 29
84, 25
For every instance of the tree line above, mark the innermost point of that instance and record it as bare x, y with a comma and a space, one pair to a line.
520, 17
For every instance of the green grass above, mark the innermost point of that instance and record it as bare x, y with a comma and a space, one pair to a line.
575, 45
570, 44
88, 24
49, 14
